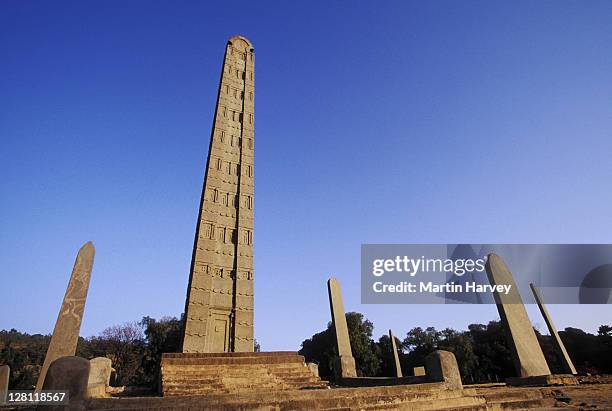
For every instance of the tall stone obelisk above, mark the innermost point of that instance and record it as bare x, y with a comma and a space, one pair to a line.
68, 325
219, 304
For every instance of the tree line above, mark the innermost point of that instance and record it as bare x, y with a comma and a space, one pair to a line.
481, 351
135, 349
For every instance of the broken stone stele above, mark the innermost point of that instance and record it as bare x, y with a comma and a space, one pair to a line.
68, 325
99, 376
527, 354
442, 366
217, 343
566, 361
396, 360
345, 363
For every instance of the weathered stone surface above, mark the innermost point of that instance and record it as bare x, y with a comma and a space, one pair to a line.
398, 366
345, 363
66, 332
71, 374
418, 371
566, 361
526, 352
5, 373
219, 304
442, 366
543, 380
99, 376
431, 396
212, 373
314, 368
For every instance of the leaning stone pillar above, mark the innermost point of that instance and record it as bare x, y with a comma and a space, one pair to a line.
345, 363
5, 372
398, 366
566, 361
66, 332
526, 352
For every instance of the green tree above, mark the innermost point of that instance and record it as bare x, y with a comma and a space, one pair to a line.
321, 347
161, 336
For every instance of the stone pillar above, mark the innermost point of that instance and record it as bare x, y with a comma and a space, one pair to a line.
71, 374
220, 296
5, 372
398, 366
99, 376
66, 332
442, 366
345, 362
527, 354
568, 365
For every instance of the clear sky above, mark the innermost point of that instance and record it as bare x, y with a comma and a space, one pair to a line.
376, 122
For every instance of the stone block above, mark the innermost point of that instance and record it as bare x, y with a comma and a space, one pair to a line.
314, 368
99, 376
418, 371
442, 366
70, 374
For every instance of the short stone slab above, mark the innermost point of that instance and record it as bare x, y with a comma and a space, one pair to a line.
99, 376
543, 380
418, 371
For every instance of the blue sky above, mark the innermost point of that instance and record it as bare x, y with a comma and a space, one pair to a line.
376, 122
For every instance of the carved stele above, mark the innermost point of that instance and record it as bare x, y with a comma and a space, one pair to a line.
566, 361
66, 332
219, 303
345, 363
526, 352
398, 366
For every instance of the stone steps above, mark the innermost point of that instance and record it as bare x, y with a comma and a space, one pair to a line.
422, 397
515, 398
419, 397
211, 373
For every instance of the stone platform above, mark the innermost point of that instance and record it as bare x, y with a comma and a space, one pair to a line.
429, 396
224, 373
543, 380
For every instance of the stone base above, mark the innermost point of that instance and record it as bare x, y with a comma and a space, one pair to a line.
344, 367
421, 397
543, 380
381, 381
233, 373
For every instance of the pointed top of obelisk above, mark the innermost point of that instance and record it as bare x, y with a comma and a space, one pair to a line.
235, 40
87, 249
